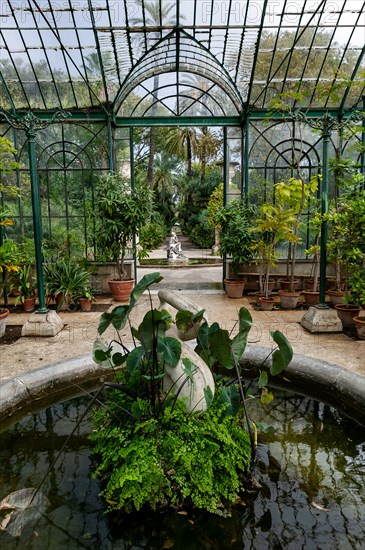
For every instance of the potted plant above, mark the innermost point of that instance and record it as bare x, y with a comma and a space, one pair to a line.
4, 312
236, 241
9, 264
291, 197
86, 299
273, 225
26, 285
351, 312
65, 279
345, 223
119, 213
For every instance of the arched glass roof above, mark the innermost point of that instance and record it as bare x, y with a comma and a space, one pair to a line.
158, 58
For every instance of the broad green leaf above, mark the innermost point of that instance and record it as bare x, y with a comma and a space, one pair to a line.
117, 318
203, 337
230, 395
245, 319
135, 359
239, 344
118, 359
100, 356
101, 353
266, 397
152, 327
184, 319
120, 316
189, 368
142, 285
263, 380
105, 320
282, 356
220, 347
169, 350
208, 394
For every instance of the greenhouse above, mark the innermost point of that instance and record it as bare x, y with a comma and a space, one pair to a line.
88, 88
141, 137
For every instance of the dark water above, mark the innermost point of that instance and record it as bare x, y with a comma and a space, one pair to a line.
311, 471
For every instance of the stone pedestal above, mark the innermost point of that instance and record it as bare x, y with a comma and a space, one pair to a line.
321, 319
43, 324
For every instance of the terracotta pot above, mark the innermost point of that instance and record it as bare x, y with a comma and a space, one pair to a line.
234, 288
360, 326
62, 301
336, 296
266, 303
311, 298
285, 283
347, 313
308, 283
121, 290
3, 317
85, 304
288, 300
29, 304
270, 285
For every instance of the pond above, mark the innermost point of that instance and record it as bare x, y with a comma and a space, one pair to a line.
311, 472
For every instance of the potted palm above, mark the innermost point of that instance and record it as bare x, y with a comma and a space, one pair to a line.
119, 213
236, 241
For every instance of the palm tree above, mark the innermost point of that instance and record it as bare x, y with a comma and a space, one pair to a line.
207, 147
166, 175
182, 143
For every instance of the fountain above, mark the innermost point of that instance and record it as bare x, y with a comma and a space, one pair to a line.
310, 469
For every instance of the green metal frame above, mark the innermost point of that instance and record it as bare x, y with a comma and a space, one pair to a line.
92, 58
84, 56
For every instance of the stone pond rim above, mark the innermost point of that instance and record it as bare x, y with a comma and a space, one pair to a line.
341, 388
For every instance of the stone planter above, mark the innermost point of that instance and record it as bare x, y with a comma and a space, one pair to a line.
311, 298
336, 296
288, 300
234, 288
121, 290
347, 313
3, 317
360, 326
266, 303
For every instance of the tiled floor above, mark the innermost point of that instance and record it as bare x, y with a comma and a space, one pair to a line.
80, 331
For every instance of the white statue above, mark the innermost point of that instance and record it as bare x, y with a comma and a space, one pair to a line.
174, 248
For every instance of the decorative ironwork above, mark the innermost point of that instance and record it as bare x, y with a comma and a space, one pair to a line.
30, 123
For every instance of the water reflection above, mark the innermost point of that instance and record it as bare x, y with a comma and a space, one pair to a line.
311, 471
